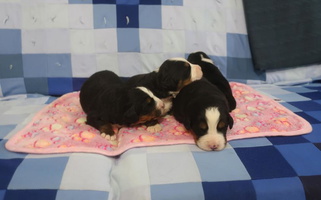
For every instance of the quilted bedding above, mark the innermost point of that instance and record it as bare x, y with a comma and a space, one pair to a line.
48, 48
258, 168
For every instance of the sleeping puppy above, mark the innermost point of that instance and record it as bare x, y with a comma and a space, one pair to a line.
108, 101
169, 79
213, 75
204, 110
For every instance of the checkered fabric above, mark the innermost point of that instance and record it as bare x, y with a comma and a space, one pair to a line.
49, 47
280, 168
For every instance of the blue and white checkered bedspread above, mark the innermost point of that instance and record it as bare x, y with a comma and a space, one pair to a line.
261, 168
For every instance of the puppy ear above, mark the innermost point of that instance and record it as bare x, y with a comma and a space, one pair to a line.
230, 121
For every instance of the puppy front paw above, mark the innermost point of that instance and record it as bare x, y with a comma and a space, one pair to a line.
109, 137
154, 128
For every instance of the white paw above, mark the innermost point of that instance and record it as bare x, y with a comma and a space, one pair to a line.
155, 128
108, 137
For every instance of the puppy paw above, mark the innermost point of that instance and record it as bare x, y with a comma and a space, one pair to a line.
155, 128
109, 137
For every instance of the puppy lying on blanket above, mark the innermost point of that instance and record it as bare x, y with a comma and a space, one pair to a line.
202, 108
108, 101
213, 75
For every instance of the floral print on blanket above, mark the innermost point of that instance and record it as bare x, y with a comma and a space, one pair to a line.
61, 127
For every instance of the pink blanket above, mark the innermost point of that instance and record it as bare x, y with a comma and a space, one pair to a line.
60, 127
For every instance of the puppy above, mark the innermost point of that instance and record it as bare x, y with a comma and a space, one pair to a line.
108, 101
169, 79
213, 75
204, 110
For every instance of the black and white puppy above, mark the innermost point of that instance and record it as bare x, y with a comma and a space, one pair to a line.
213, 75
107, 101
204, 110
169, 79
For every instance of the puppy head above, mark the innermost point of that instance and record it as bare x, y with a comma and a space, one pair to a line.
210, 128
175, 73
199, 57
144, 106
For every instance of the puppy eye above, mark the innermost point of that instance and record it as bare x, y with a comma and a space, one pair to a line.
221, 124
148, 100
203, 126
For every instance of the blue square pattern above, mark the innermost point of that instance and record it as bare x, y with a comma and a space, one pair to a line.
180, 191
35, 65
265, 162
172, 2
290, 107
2, 193
298, 89
238, 46
5, 154
11, 86
59, 65
220, 62
220, 166
311, 119
36, 85
128, 40
59, 86
242, 68
315, 135
11, 66
30, 194
312, 185
312, 95
127, 2
296, 155
229, 190
280, 189
127, 16
81, 195
36, 174
77, 83
10, 41
287, 140
307, 105
315, 114
251, 142
105, 16
5, 129
8, 168
151, 2
150, 16
104, 1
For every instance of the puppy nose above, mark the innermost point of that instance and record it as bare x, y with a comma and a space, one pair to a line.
214, 147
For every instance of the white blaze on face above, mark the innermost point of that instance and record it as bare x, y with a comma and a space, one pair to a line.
196, 70
163, 106
207, 60
212, 140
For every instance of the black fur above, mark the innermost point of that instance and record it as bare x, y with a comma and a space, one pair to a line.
190, 104
107, 100
213, 75
171, 77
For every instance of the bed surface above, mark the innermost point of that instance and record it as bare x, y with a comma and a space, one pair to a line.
259, 168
